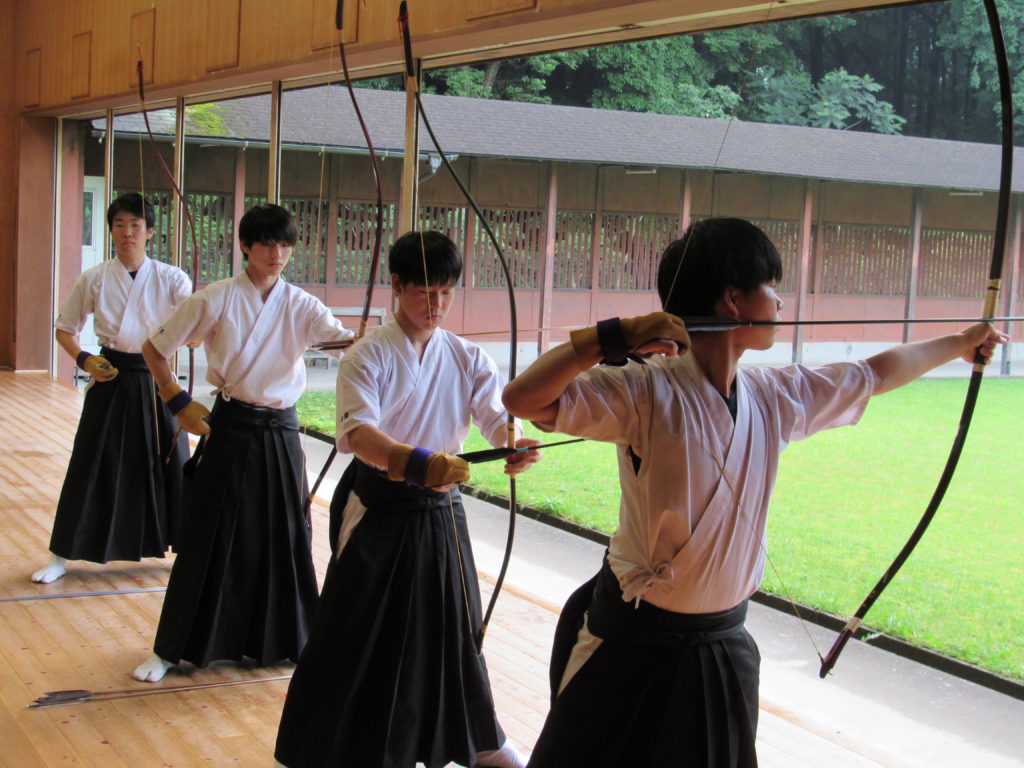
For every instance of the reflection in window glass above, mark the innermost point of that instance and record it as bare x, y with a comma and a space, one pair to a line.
87, 203
137, 169
225, 167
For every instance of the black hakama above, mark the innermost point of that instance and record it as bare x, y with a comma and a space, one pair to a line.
243, 584
121, 498
663, 689
391, 675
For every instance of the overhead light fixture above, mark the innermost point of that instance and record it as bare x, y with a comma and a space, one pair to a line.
640, 170
965, 193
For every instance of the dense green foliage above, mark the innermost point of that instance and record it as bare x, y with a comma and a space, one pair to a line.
922, 69
847, 499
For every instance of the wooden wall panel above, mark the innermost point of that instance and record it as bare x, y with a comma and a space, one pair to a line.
741, 194
32, 79
786, 198
180, 43
354, 178
69, 229
629, 192
866, 204
441, 188
577, 186
324, 34
81, 64
943, 210
142, 47
299, 30
207, 45
479, 9
34, 255
669, 186
512, 183
223, 24
12, 60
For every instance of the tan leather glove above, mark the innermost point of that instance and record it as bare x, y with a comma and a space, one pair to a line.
420, 467
194, 417
611, 341
96, 366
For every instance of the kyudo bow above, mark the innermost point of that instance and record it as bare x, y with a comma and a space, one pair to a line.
988, 312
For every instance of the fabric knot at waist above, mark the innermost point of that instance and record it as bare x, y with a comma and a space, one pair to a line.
640, 582
240, 414
640, 623
125, 361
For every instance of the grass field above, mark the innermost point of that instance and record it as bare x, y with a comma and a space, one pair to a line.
845, 502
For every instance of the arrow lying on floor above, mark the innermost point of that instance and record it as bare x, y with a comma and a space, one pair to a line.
62, 698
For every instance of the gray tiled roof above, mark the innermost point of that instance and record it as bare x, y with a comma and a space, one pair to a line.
487, 128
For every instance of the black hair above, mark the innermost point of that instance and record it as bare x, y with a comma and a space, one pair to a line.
443, 262
267, 224
136, 205
716, 254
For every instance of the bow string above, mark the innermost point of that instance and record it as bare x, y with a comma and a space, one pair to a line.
403, 22
193, 271
378, 237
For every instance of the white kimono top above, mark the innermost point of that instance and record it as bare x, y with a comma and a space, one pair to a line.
428, 402
253, 348
125, 311
692, 535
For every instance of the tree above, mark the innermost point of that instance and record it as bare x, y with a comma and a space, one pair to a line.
838, 100
926, 69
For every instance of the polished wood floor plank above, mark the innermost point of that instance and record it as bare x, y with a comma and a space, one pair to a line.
94, 642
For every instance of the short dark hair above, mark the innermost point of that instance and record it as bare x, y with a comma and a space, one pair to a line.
417, 257
135, 204
712, 255
267, 223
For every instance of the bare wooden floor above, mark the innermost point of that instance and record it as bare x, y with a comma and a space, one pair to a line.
93, 642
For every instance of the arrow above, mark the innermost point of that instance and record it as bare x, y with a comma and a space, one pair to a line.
705, 324
328, 345
80, 696
714, 323
493, 454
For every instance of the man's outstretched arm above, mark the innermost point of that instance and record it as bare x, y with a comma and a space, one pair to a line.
900, 365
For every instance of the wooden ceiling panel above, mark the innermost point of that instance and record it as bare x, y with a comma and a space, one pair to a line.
210, 46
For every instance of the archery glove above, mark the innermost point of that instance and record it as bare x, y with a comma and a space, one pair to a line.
96, 366
423, 469
614, 340
194, 417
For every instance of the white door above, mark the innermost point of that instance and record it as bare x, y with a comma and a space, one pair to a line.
93, 243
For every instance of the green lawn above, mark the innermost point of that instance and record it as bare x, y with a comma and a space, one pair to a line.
845, 502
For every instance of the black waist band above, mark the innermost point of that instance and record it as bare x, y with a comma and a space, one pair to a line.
237, 413
374, 489
613, 619
125, 361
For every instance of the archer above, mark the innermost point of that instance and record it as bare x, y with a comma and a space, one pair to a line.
661, 667
392, 674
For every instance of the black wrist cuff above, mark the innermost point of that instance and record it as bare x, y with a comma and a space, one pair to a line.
612, 341
177, 403
82, 357
416, 467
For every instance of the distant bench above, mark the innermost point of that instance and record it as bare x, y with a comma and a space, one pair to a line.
315, 359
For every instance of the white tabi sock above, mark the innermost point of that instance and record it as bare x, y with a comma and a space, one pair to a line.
152, 670
52, 571
505, 756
